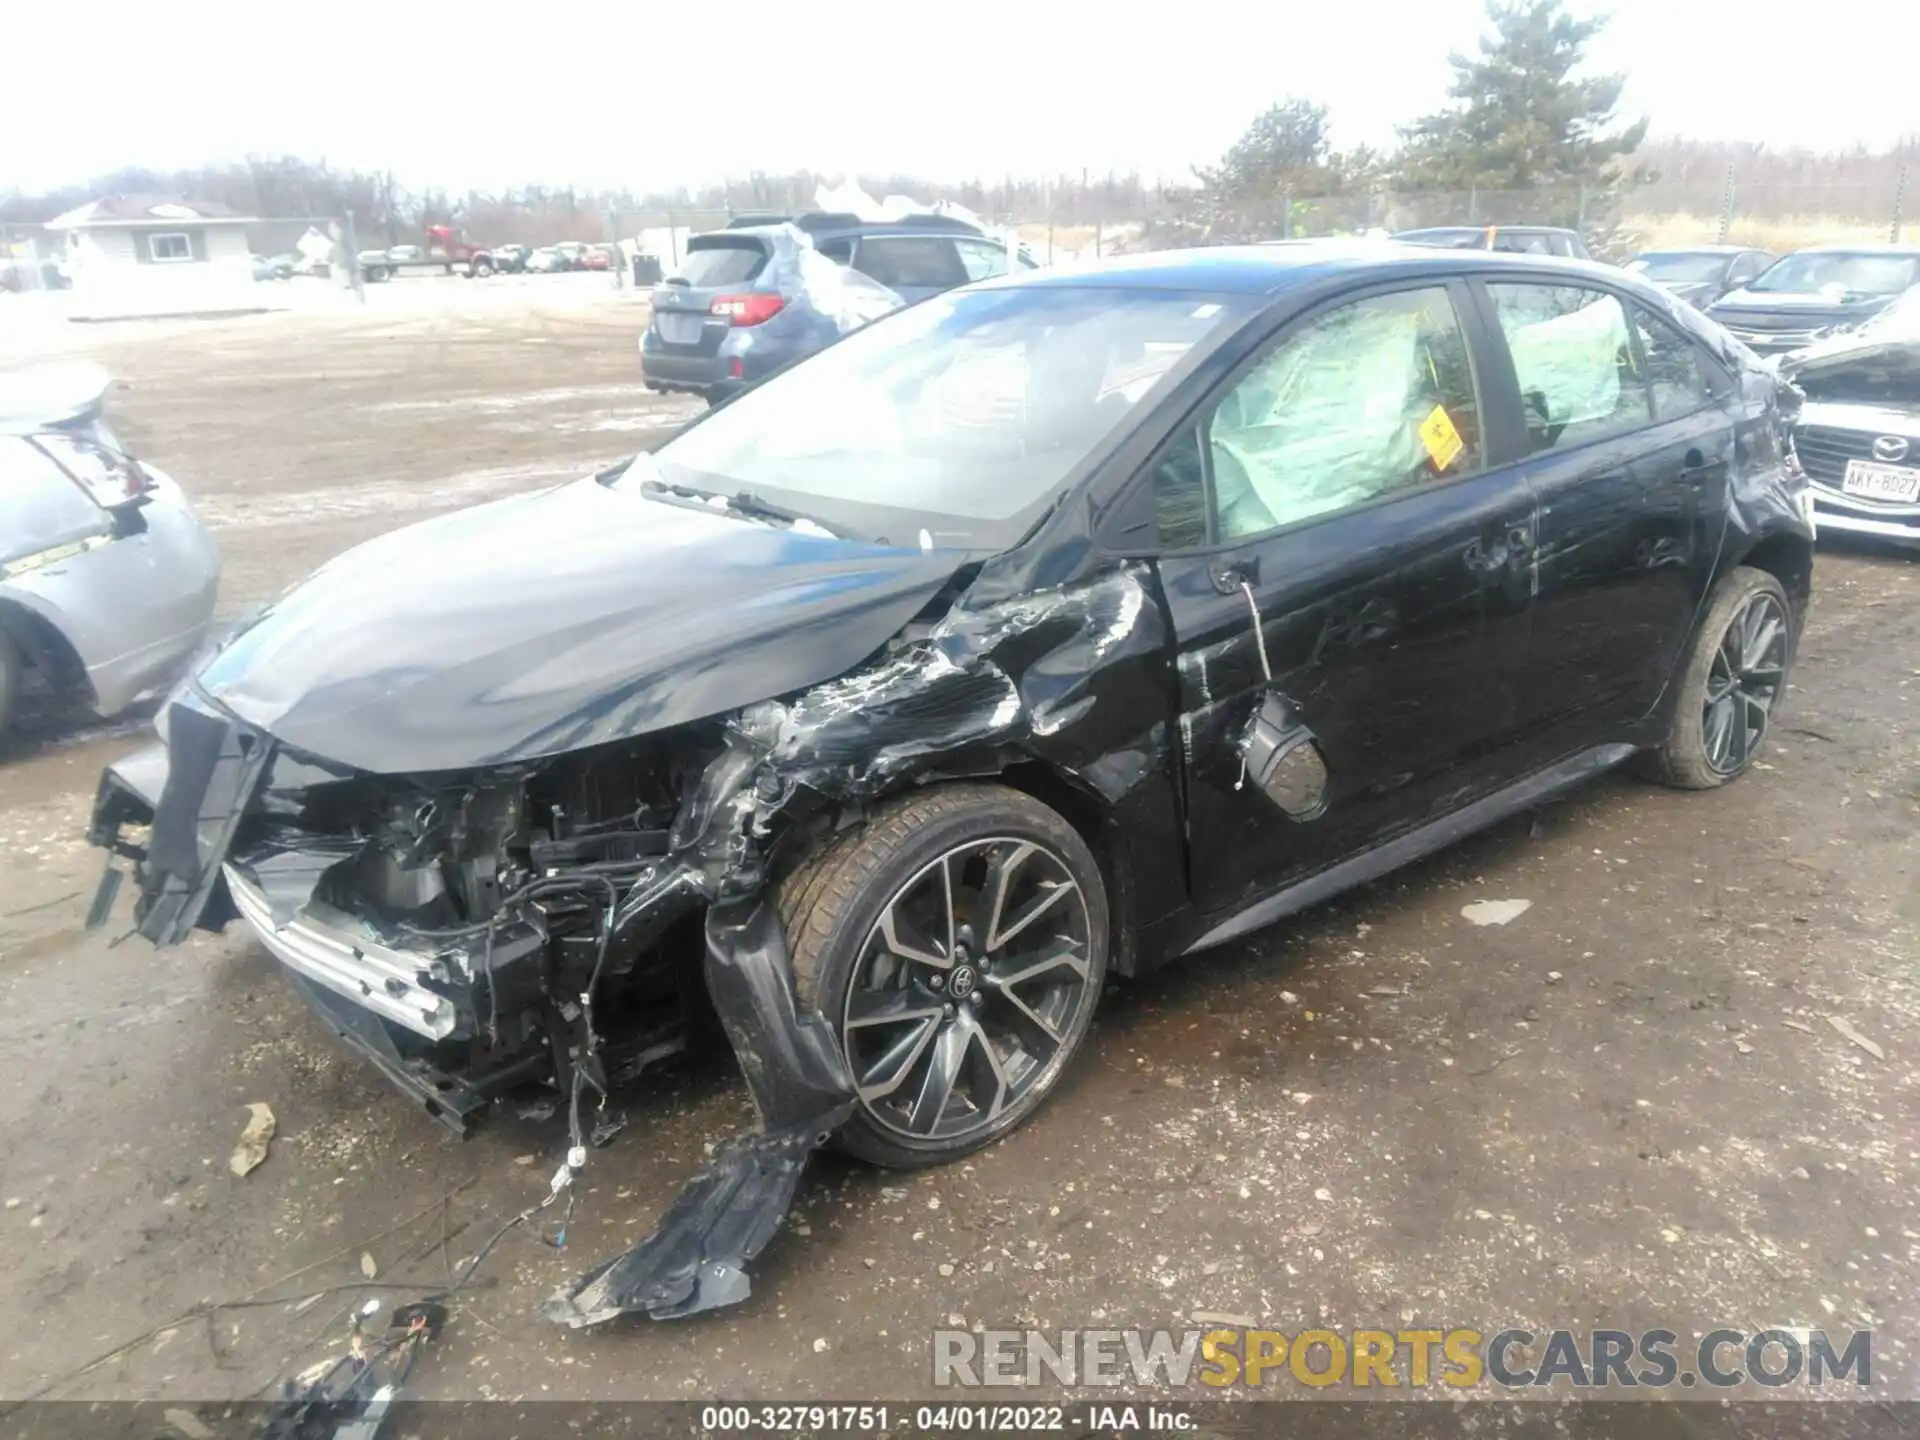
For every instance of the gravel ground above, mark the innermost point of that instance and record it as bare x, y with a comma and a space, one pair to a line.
1625, 1107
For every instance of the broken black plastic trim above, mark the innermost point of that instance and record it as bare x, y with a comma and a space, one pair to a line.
697, 1257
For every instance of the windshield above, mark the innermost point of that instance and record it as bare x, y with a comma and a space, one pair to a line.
965, 411
1681, 269
1855, 273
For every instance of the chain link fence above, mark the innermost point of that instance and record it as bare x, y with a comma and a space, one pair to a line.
1772, 216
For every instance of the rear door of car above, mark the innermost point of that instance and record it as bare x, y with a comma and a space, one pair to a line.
912, 266
683, 324
1389, 585
1629, 469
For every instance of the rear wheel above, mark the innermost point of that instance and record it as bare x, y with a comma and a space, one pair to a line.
1735, 674
957, 943
483, 267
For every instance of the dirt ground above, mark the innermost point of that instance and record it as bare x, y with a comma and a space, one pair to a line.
1627, 1107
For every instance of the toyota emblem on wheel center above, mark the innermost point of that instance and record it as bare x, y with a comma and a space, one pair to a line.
1890, 447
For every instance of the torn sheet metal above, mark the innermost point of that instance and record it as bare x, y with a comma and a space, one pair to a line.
981, 684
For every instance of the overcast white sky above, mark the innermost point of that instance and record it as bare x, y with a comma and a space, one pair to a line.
486, 93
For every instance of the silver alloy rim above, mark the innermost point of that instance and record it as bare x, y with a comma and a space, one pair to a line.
1748, 669
968, 989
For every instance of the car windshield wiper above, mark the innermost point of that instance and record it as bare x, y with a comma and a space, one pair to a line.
745, 502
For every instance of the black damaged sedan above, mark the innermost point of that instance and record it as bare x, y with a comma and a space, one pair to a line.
1053, 628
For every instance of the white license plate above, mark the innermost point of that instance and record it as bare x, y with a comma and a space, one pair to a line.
1881, 482
681, 329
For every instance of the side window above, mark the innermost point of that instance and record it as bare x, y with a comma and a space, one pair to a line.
898, 261
1180, 494
1373, 397
1680, 375
1579, 380
983, 258
840, 250
1748, 267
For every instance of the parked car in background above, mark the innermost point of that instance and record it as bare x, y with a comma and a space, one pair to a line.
274, 267
599, 257
17, 275
716, 326
107, 578
1858, 433
1702, 274
567, 255
1812, 294
1512, 239
510, 259
1056, 627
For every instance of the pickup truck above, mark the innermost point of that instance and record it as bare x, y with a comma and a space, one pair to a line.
445, 251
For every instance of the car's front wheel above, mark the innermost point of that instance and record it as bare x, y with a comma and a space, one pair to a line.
957, 943
1735, 674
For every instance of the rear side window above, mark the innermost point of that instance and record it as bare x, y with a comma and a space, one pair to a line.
983, 258
1679, 374
722, 260
1579, 380
910, 260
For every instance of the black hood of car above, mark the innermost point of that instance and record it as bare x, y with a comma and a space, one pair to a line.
1793, 310
557, 620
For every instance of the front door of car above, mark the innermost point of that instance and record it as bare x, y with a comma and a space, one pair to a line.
1628, 454
1337, 488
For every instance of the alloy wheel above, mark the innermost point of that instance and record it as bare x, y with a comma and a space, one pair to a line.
1743, 682
968, 989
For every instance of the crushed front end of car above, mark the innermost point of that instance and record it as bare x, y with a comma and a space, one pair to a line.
562, 914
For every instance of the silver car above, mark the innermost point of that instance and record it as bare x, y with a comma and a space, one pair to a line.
1858, 433
107, 577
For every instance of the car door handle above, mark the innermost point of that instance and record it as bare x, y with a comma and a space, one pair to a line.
1486, 557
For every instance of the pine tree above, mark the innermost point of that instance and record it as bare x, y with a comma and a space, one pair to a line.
1524, 119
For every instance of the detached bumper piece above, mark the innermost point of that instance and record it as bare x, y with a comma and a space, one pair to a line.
696, 1259
194, 792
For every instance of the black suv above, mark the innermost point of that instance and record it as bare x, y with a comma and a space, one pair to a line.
728, 317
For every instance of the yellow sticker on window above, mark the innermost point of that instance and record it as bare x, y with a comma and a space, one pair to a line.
1442, 440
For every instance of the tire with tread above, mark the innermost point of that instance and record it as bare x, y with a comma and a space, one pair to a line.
829, 903
12, 677
1682, 761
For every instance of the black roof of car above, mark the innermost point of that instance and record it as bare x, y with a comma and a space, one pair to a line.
1287, 264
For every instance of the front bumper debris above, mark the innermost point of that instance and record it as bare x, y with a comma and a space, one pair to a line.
193, 791
696, 1258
